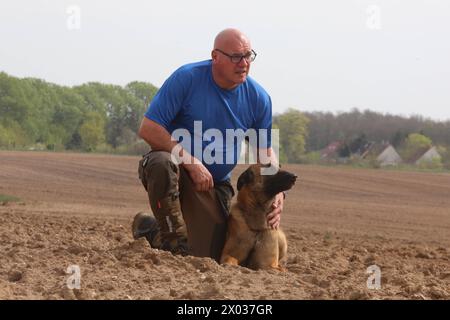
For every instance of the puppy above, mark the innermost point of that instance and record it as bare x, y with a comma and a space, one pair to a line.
250, 241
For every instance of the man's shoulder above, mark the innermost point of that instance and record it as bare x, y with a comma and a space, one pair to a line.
194, 67
188, 74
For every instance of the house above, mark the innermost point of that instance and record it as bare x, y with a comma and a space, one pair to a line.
364, 150
331, 151
389, 156
384, 153
428, 156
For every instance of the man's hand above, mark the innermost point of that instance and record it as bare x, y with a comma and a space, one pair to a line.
274, 217
200, 176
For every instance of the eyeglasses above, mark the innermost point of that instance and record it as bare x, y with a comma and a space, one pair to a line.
237, 58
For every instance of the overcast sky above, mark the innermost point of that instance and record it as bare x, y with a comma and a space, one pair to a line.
391, 56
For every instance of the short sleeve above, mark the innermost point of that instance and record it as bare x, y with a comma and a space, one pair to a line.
169, 99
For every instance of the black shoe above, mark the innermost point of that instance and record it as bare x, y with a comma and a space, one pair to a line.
176, 246
144, 225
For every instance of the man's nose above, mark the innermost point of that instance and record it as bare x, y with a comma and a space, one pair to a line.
243, 62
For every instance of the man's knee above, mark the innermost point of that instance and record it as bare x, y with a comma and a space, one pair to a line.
157, 169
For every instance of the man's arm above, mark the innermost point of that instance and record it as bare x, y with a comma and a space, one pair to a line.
156, 136
274, 217
160, 140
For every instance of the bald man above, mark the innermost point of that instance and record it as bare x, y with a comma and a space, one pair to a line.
190, 198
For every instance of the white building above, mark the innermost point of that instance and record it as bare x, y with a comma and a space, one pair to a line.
429, 156
389, 157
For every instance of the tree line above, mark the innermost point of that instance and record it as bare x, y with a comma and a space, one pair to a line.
328, 127
304, 134
35, 114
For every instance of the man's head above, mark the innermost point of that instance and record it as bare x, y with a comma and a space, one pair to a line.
231, 58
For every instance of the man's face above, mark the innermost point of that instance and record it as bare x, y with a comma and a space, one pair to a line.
232, 74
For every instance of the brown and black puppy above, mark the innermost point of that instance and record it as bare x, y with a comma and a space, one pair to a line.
250, 241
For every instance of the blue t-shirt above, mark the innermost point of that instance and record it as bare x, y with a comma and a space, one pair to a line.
190, 99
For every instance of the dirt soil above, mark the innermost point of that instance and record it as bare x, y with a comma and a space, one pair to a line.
76, 209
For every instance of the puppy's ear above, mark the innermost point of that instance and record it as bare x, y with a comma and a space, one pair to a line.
245, 178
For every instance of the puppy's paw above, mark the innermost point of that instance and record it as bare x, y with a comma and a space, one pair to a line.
276, 266
229, 260
281, 269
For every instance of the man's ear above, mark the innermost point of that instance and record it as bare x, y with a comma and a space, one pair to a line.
245, 178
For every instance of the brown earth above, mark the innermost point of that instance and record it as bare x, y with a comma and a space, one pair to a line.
76, 209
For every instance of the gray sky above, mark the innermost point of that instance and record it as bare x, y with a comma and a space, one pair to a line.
391, 56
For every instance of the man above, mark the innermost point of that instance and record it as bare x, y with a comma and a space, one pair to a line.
191, 200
